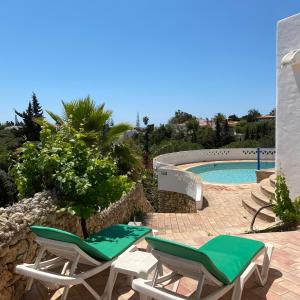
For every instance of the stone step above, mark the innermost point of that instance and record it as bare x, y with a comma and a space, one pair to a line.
273, 180
258, 196
251, 206
266, 188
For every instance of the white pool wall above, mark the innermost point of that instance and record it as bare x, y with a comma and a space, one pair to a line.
288, 104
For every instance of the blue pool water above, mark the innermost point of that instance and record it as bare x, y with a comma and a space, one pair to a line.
230, 173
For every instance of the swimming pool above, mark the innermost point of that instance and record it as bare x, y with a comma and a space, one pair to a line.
230, 173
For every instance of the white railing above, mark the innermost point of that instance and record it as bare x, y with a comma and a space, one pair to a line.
173, 179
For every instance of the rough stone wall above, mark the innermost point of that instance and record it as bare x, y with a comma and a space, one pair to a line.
17, 243
171, 202
263, 174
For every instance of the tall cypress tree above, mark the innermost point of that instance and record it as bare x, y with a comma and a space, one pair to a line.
36, 107
34, 110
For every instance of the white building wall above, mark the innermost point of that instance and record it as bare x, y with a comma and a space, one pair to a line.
288, 104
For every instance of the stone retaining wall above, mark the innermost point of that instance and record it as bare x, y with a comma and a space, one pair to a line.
17, 243
172, 202
263, 174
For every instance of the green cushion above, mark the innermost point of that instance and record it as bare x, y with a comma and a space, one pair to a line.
225, 257
104, 245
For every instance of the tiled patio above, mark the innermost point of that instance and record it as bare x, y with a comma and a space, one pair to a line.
283, 283
223, 213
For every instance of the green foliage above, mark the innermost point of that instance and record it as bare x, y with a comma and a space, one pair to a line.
149, 182
180, 117
242, 144
286, 209
192, 127
92, 119
233, 117
9, 141
85, 180
258, 130
169, 146
8, 192
95, 122
252, 115
128, 159
206, 137
223, 134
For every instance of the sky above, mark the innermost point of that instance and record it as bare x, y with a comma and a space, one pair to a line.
153, 57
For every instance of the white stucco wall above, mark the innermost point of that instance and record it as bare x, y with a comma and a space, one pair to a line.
173, 179
288, 104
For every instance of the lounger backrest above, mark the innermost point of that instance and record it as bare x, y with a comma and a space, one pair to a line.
186, 252
225, 257
64, 236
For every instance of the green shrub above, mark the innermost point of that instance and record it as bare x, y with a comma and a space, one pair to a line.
287, 210
85, 180
8, 192
170, 146
149, 182
243, 144
9, 141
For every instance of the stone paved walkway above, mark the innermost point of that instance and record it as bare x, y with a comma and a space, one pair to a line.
283, 282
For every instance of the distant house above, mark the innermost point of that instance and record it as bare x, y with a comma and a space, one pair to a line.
266, 118
205, 122
232, 123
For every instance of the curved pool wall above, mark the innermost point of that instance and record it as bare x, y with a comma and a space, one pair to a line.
173, 179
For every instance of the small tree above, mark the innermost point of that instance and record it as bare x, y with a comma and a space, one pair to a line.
85, 180
252, 115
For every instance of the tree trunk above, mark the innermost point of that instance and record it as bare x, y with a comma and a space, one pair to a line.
84, 228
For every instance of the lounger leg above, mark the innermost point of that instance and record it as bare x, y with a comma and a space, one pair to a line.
144, 297
36, 264
266, 264
110, 283
72, 270
237, 290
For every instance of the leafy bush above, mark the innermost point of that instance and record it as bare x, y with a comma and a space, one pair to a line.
8, 192
266, 142
286, 209
9, 141
85, 180
149, 182
170, 146
243, 144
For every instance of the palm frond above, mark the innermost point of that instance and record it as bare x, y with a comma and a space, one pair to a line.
56, 118
115, 132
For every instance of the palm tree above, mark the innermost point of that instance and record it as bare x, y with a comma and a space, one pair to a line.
84, 114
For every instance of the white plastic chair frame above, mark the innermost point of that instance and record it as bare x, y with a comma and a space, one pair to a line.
155, 288
68, 256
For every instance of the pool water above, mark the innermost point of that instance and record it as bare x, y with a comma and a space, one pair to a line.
230, 173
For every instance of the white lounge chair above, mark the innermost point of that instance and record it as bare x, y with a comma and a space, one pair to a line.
225, 261
98, 252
